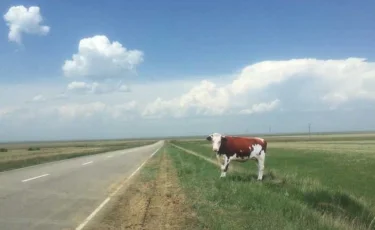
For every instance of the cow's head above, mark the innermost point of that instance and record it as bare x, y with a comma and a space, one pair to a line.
216, 139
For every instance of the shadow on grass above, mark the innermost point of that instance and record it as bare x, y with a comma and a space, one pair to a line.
252, 177
268, 176
339, 204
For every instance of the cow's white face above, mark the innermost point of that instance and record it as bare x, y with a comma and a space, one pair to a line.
216, 139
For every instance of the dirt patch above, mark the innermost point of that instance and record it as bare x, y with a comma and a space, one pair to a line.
156, 203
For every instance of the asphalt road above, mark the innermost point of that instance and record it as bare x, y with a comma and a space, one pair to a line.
62, 194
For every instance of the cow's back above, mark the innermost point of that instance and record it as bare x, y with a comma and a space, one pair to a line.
240, 145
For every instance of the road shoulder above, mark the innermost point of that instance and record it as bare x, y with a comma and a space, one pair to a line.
152, 200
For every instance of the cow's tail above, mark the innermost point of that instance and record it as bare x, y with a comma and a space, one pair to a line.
265, 146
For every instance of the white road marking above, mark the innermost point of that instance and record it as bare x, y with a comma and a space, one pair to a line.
81, 226
109, 156
84, 223
33, 178
87, 163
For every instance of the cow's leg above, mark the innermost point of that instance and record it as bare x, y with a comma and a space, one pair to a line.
261, 160
218, 158
224, 166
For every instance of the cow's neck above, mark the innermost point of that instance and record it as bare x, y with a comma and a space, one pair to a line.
222, 148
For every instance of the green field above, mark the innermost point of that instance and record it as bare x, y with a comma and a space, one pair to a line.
317, 182
18, 155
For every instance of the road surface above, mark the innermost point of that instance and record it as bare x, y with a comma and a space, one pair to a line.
63, 194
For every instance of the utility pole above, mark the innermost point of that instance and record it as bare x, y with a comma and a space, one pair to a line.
269, 129
309, 130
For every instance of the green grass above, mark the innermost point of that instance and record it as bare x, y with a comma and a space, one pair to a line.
14, 163
324, 188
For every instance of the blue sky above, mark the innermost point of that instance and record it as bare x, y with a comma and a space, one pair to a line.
208, 62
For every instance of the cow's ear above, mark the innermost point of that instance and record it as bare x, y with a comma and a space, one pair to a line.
223, 138
209, 138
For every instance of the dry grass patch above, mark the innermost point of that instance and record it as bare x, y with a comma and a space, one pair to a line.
154, 200
366, 147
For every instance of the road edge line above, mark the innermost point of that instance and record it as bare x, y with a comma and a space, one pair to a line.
191, 152
96, 211
195, 154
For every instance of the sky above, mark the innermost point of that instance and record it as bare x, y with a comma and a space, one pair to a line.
128, 69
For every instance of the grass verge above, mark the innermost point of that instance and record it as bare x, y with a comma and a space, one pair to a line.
295, 194
14, 163
153, 200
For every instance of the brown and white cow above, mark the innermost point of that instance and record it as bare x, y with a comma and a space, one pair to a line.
239, 149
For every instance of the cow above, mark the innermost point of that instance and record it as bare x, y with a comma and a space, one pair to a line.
239, 149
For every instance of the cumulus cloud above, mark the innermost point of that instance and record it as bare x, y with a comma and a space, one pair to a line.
332, 82
22, 20
258, 88
205, 99
339, 80
98, 58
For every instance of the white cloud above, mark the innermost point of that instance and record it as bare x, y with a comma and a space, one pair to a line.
332, 82
339, 80
21, 20
38, 98
80, 110
125, 110
95, 88
205, 98
262, 107
79, 87
61, 96
123, 88
72, 111
98, 58
265, 87
6, 111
